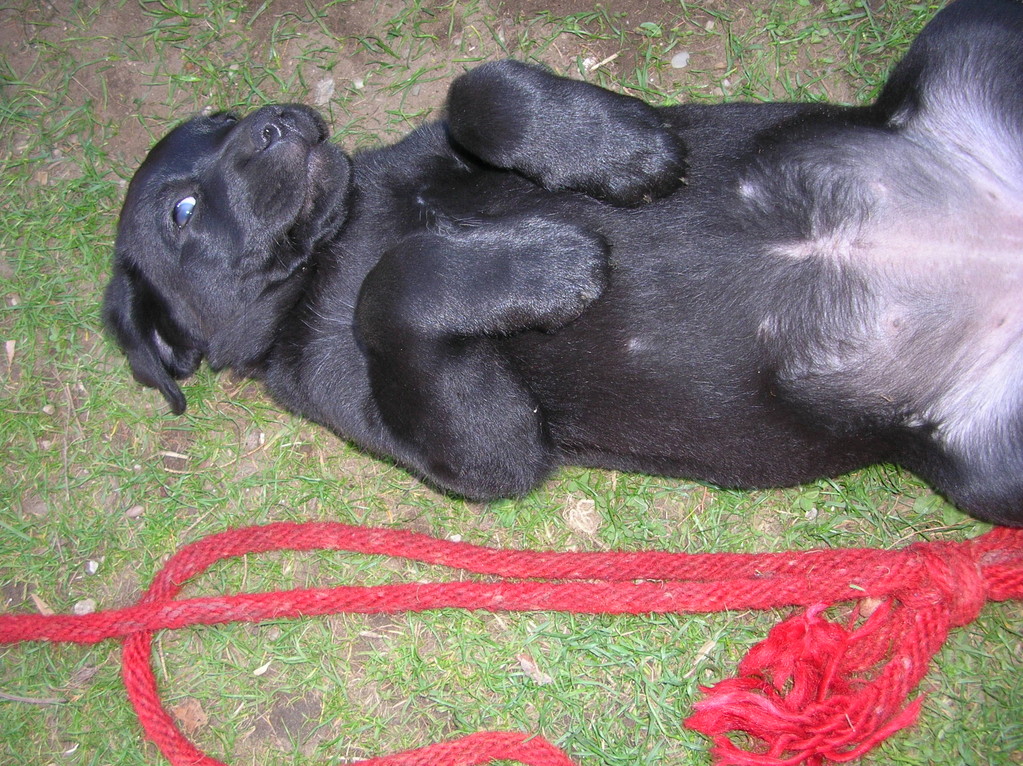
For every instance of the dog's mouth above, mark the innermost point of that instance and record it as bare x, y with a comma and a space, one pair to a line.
302, 177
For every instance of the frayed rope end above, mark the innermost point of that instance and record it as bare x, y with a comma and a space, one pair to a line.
804, 695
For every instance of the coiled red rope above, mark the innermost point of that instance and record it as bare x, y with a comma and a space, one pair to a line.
812, 691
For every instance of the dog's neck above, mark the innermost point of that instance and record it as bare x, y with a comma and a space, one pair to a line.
245, 342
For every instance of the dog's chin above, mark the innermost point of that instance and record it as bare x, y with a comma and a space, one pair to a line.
326, 194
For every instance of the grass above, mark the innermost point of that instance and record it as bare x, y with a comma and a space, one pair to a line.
96, 475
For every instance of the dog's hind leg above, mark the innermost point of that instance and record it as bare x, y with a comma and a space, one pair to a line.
565, 134
958, 90
429, 316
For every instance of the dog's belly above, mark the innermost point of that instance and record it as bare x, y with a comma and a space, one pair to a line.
732, 435
940, 321
729, 366
678, 391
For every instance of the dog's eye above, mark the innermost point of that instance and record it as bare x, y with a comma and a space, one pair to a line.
183, 211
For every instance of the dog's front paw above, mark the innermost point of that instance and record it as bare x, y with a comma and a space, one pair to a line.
644, 162
565, 134
572, 273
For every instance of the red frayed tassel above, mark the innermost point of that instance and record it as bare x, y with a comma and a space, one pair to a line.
814, 691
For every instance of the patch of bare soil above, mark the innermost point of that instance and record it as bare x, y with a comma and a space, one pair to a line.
291, 719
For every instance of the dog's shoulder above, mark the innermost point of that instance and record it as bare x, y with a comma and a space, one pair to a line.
425, 151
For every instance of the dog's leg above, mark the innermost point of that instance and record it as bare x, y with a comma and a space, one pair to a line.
429, 316
565, 134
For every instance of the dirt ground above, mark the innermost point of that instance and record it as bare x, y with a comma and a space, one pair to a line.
135, 85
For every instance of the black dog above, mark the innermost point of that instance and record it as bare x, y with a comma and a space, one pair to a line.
528, 284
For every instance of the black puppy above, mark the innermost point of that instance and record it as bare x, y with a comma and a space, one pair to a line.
528, 284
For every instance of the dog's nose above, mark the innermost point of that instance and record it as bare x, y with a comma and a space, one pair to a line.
288, 122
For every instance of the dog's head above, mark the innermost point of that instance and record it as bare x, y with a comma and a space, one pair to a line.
217, 227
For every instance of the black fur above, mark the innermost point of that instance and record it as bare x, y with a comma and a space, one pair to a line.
530, 283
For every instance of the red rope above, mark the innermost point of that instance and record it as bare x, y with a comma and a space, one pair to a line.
812, 691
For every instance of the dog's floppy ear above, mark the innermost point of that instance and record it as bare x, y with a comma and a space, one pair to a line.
157, 349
